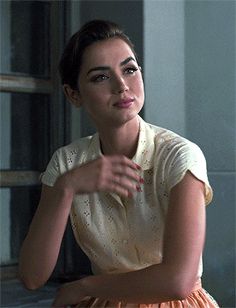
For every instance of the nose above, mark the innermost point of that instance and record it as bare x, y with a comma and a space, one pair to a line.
119, 85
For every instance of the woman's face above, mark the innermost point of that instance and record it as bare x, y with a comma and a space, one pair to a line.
110, 83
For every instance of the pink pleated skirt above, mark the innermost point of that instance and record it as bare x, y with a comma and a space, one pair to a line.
199, 298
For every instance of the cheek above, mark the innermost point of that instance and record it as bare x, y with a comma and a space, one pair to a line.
99, 97
94, 100
139, 88
89, 95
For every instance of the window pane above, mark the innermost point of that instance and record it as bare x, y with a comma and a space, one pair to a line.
16, 211
25, 133
25, 33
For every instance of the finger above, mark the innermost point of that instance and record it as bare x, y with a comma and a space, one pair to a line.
123, 187
126, 183
119, 190
120, 164
123, 160
126, 171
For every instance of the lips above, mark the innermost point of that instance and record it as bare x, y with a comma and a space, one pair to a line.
124, 103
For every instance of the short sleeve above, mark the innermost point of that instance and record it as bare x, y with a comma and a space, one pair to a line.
52, 171
188, 157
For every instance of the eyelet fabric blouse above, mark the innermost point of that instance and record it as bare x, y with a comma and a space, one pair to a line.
125, 234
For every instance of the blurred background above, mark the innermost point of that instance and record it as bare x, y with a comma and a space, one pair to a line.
187, 50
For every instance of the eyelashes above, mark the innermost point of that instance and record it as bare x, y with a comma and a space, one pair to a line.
103, 77
99, 78
131, 70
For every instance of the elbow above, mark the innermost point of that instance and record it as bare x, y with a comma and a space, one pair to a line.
29, 286
31, 279
29, 282
181, 292
182, 289
180, 283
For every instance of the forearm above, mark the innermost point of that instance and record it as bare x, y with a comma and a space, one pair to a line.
157, 283
183, 244
175, 277
41, 247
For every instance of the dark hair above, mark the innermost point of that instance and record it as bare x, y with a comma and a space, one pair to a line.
91, 32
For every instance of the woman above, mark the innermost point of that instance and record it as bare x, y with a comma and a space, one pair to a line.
135, 193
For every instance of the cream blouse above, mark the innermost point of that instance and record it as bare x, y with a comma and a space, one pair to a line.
124, 234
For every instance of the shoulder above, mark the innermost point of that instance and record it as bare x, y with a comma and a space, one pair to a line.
70, 156
74, 153
166, 140
172, 151
173, 156
77, 146
169, 141
167, 147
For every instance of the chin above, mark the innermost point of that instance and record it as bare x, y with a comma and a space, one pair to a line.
121, 120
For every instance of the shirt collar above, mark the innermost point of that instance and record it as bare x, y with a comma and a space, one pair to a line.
94, 150
145, 149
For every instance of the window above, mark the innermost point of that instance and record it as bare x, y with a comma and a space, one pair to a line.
33, 113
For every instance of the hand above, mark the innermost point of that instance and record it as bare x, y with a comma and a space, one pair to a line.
114, 173
69, 294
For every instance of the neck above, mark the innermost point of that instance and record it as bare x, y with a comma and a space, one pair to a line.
121, 140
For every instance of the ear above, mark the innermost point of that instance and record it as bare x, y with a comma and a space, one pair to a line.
72, 95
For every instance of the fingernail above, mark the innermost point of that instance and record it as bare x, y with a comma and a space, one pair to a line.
138, 188
141, 180
137, 166
130, 195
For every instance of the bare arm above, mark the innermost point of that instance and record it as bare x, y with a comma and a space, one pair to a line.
174, 278
41, 247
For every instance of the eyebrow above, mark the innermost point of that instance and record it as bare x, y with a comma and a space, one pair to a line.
105, 68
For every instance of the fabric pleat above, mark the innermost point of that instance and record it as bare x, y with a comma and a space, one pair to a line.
199, 298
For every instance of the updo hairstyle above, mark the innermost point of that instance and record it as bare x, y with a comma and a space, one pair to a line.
93, 31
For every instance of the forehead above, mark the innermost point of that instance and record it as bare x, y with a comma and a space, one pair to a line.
106, 52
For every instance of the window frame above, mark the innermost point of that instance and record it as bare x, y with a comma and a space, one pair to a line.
59, 115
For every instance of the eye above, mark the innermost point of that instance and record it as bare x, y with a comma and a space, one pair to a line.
99, 78
130, 70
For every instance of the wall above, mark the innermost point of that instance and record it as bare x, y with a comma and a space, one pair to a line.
210, 108
164, 64
189, 61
